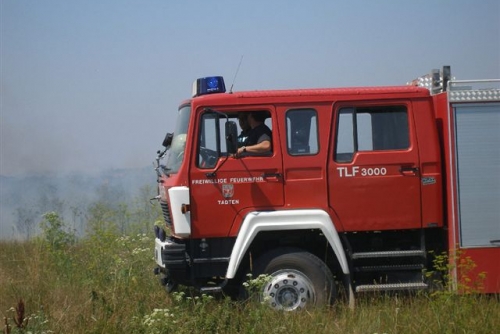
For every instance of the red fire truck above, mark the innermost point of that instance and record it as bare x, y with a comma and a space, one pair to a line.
362, 187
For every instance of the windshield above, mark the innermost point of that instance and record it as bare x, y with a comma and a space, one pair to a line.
176, 153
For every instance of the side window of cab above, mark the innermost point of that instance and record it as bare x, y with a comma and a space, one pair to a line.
302, 132
254, 126
379, 128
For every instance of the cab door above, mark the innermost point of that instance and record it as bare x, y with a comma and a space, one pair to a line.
222, 186
373, 176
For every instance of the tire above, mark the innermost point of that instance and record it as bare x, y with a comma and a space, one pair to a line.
167, 282
298, 280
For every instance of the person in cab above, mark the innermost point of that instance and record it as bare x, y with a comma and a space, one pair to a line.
259, 137
245, 129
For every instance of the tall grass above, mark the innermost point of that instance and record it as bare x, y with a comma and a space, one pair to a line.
105, 284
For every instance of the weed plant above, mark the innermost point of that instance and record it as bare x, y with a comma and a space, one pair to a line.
104, 283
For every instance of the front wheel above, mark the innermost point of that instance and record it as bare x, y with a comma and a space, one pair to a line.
297, 279
167, 281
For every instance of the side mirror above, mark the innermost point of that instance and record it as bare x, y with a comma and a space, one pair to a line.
168, 140
231, 137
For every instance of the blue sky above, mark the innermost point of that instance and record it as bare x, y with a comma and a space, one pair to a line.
91, 85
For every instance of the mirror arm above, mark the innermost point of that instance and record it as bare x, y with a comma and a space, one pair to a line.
213, 174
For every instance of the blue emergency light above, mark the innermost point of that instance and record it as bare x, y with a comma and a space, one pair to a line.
208, 85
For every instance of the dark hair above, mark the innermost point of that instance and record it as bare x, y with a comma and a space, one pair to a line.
259, 116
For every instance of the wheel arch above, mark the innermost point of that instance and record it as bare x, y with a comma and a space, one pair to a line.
286, 220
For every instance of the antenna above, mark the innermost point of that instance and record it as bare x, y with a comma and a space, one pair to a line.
237, 70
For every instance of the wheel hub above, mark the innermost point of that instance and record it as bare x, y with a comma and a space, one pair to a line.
288, 290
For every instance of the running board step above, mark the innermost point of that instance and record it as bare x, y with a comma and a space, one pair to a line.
402, 267
211, 289
372, 255
391, 287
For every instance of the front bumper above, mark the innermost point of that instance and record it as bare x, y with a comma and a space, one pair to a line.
159, 247
173, 258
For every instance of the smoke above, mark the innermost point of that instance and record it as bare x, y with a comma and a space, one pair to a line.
24, 199
28, 149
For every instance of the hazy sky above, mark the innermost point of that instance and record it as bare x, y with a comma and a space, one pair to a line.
89, 85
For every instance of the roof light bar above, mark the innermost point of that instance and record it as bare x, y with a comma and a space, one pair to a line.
208, 85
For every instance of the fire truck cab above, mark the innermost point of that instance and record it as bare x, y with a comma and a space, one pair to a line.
361, 187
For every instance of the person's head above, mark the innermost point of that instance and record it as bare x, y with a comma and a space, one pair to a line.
243, 120
257, 118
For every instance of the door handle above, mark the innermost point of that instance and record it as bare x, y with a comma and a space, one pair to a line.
271, 176
495, 242
408, 171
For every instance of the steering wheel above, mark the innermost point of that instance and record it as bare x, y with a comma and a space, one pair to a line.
208, 157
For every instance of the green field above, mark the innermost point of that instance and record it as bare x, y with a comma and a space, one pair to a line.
104, 283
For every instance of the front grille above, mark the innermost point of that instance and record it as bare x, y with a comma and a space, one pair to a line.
166, 213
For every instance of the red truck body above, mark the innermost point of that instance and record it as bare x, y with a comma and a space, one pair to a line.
363, 186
